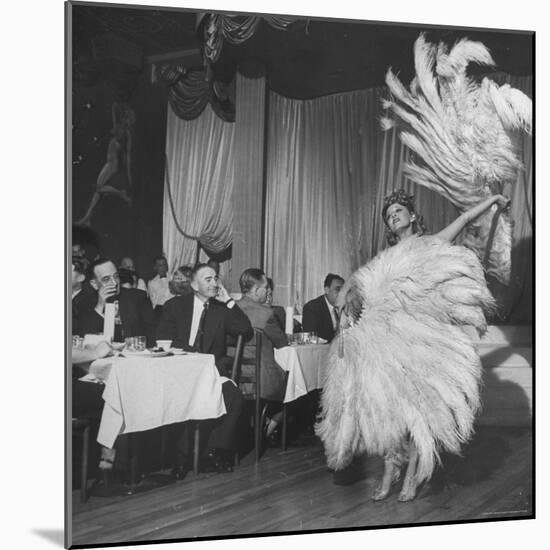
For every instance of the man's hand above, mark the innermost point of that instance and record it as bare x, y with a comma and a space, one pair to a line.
103, 294
223, 295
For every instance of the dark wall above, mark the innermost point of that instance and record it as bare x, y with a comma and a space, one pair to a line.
122, 230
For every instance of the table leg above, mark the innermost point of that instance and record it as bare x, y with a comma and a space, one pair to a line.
196, 442
134, 458
283, 438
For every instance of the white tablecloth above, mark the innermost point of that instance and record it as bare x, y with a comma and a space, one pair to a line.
143, 393
306, 368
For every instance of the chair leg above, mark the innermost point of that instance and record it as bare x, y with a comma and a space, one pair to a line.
163, 444
196, 442
257, 437
84, 470
283, 438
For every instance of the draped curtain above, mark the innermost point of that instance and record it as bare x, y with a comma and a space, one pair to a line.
198, 186
329, 165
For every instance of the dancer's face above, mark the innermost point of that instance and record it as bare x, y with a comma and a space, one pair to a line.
398, 218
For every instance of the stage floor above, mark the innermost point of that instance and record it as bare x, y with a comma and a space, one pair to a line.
293, 491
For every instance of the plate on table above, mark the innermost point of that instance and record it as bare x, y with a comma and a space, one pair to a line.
144, 353
178, 351
160, 352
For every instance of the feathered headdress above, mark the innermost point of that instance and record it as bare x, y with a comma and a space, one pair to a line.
458, 130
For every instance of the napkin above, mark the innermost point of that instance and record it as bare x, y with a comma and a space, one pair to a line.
289, 320
109, 324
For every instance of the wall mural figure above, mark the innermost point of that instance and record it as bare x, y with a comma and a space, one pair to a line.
115, 177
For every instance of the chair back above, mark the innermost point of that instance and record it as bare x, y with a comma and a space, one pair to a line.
239, 361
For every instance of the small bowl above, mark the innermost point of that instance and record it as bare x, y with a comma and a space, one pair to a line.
117, 345
164, 344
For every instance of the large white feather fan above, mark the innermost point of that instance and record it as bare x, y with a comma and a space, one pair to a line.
459, 130
406, 366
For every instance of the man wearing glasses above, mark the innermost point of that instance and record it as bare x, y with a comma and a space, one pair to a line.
134, 314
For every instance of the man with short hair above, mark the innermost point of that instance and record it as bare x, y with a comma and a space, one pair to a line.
321, 315
201, 322
157, 287
255, 288
134, 316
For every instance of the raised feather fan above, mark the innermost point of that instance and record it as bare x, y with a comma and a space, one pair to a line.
459, 132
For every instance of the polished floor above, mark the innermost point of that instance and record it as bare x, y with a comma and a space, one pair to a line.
293, 491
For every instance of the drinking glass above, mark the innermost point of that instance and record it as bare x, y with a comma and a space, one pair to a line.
130, 343
140, 343
78, 342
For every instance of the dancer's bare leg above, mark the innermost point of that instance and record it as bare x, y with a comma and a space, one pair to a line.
408, 491
105, 190
86, 219
391, 475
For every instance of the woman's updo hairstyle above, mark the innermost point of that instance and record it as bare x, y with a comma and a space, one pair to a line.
400, 196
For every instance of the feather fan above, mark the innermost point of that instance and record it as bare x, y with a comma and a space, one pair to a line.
408, 367
458, 130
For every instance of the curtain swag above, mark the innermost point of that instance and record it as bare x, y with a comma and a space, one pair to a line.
237, 29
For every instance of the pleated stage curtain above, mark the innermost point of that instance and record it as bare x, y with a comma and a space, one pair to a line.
198, 186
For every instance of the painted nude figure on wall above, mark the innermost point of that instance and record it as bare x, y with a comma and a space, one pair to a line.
115, 178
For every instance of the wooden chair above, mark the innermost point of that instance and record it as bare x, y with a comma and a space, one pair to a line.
251, 388
82, 425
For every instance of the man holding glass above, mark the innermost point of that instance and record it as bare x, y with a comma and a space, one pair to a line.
134, 314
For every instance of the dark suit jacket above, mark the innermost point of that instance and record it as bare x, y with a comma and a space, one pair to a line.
316, 318
135, 312
220, 321
272, 375
82, 304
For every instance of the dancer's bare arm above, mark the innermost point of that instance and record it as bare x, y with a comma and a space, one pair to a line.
451, 232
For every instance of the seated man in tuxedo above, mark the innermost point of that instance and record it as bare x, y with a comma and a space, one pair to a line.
320, 315
83, 295
134, 313
254, 288
201, 322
